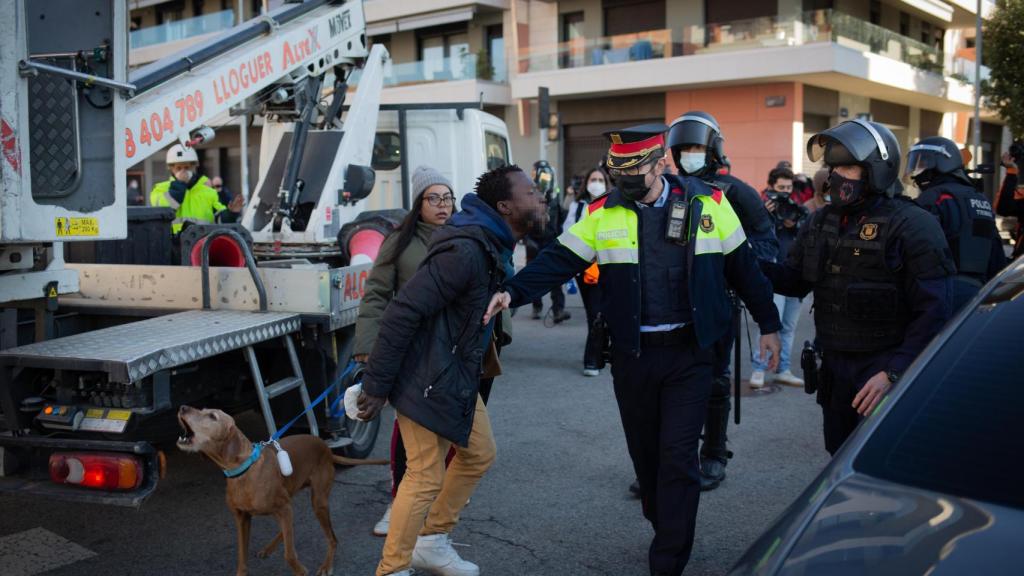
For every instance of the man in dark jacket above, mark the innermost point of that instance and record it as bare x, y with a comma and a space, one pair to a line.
427, 362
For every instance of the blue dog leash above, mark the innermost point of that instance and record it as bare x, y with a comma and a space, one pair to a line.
257, 448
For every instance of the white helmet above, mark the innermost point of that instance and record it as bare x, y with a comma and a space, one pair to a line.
178, 154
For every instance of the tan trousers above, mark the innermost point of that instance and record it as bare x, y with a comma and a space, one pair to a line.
430, 498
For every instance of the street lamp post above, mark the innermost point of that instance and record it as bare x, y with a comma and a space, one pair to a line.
976, 136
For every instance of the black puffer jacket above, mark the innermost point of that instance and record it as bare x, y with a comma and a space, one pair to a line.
428, 355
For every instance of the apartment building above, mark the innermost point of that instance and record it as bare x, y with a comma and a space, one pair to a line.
772, 71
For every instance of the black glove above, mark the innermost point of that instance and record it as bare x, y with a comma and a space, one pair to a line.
178, 190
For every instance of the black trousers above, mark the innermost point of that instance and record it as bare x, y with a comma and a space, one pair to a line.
663, 397
843, 375
593, 353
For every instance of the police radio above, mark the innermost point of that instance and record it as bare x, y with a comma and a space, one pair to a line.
677, 230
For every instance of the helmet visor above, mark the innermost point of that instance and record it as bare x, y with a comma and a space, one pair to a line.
849, 143
924, 157
689, 131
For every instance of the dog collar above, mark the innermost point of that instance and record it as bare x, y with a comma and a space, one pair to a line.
235, 472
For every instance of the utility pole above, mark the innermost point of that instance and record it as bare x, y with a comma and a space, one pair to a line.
976, 136
543, 113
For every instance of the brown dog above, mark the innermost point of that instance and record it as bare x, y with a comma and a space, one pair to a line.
262, 489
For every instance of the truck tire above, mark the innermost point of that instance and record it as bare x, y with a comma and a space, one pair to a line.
363, 435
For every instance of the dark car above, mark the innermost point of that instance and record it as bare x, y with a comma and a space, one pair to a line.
933, 481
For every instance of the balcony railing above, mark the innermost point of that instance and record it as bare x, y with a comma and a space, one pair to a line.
462, 67
811, 27
182, 29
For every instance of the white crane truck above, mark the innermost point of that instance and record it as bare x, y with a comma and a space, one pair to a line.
95, 359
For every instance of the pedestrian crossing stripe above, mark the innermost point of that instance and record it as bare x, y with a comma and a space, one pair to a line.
65, 226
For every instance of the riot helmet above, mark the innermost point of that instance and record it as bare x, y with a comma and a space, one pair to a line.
544, 177
701, 129
869, 145
933, 156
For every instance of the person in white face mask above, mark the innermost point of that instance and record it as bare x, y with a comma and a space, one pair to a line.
595, 186
696, 145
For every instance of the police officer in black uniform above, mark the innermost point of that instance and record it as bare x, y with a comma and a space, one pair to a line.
880, 269
696, 144
966, 216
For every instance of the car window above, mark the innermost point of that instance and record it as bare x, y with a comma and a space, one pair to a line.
387, 151
497, 150
959, 428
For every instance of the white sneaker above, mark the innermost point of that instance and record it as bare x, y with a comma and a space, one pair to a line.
757, 379
789, 379
382, 525
591, 372
435, 554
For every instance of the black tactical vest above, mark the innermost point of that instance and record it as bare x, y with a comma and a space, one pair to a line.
664, 291
858, 302
972, 243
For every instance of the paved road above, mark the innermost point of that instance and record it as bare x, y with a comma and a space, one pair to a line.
554, 503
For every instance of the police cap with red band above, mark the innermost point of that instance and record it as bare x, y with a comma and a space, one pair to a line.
636, 145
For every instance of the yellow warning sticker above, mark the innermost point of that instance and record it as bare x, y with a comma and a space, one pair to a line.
52, 293
76, 226
94, 413
119, 414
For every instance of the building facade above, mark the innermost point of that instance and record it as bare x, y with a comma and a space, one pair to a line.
772, 71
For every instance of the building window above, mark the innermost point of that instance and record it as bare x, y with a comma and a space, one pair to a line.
572, 37
875, 12
496, 54
904, 24
926, 33
938, 37
444, 53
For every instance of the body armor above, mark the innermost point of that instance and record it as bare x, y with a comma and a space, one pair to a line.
859, 304
972, 243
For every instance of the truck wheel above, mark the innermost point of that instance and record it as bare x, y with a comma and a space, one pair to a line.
363, 435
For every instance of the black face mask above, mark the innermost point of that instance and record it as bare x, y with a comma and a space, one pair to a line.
634, 187
845, 192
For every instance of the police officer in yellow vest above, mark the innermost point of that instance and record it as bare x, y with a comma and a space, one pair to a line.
666, 247
189, 194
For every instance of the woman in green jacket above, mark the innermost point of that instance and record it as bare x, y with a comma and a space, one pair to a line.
399, 257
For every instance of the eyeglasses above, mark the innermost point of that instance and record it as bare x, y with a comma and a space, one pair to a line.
438, 201
631, 171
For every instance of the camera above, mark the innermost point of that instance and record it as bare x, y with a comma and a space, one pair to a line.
785, 207
577, 184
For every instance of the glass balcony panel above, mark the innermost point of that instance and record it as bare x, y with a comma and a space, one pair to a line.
182, 29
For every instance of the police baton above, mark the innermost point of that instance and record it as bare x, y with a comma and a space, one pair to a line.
737, 314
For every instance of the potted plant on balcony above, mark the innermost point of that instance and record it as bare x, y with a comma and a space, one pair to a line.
484, 69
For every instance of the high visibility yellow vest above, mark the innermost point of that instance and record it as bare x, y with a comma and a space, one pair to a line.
200, 205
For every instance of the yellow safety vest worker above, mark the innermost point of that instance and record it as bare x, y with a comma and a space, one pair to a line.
200, 205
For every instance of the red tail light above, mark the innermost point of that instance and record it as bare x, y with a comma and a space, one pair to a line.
96, 470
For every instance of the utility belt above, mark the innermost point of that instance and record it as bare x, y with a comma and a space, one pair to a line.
679, 336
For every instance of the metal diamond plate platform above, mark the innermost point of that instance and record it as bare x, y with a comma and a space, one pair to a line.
53, 133
130, 352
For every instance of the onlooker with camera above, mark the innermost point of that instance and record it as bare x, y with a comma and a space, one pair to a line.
1011, 195
597, 186
789, 217
803, 190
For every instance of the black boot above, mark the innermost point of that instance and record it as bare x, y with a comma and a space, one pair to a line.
561, 315
634, 488
714, 454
